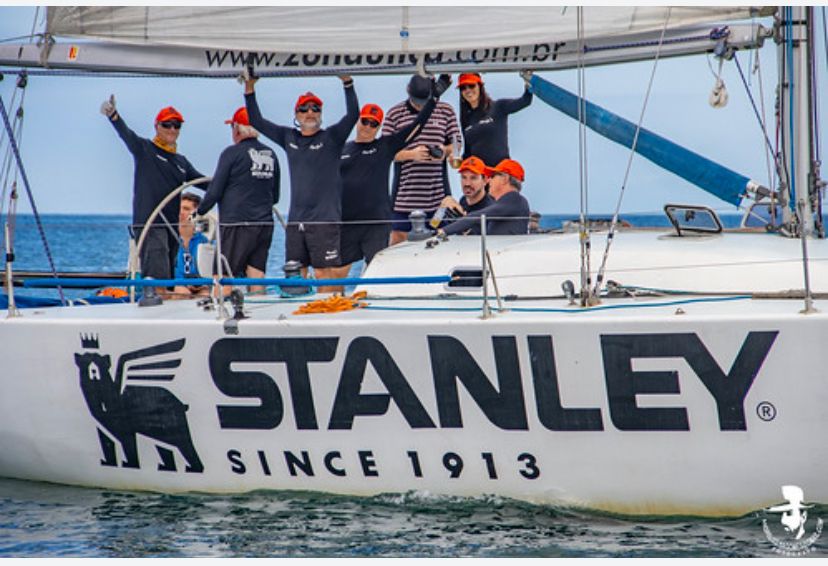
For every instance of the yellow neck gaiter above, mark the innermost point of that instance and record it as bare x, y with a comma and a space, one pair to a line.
170, 148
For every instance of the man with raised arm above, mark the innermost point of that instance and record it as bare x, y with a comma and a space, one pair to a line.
420, 173
313, 154
159, 169
366, 161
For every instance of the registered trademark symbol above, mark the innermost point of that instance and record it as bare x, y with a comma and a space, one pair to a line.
766, 411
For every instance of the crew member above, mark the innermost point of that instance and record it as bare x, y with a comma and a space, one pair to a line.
313, 154
365, 167
420, 174
485, 122
245, 186
473, 180
509, 214
159, 169
186, 265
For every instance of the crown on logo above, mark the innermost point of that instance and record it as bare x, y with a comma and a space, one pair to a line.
89, 341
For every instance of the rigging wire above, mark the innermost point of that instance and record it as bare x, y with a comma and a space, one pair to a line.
599, 278
6, 170
769, 155
815, 194
763, 112
759, 117
584, 239
26, 185
789, 62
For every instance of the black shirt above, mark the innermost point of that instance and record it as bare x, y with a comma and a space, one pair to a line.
487, 200
245, 184
486, 132
509, 214
157, 173
365, 169
313, 161
482, 203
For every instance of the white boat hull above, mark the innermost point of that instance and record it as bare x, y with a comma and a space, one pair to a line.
445, 403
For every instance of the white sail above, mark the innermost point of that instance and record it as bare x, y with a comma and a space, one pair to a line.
368, 29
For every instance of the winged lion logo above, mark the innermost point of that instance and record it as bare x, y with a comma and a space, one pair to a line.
126, 405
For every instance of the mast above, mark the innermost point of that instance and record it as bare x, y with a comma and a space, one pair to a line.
796, 160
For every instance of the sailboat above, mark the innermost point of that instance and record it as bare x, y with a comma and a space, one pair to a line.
685, 375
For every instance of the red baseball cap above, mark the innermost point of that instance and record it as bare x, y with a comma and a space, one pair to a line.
307, 97
239, 117
371, 111
475, 165
169, 113
510, 167
469, 79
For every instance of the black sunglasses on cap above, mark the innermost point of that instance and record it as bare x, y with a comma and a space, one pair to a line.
309, 107
168, 125
467, 87
369, 122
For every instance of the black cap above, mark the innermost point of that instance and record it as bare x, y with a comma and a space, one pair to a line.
419, 89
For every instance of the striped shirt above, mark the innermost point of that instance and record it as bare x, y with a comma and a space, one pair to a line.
421, 185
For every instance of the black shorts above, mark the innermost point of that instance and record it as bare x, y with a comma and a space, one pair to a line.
158, 252
246, 245
362, 241
315, 245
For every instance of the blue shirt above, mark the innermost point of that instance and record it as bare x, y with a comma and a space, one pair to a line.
186, 264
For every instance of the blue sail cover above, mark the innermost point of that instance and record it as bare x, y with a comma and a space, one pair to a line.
708, 175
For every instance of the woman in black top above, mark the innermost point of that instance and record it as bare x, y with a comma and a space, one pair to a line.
485, 121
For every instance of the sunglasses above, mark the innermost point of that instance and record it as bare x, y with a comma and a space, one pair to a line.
309, 108
368, 122
168, 125
467, 87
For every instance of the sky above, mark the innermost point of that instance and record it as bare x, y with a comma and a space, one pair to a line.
77, 164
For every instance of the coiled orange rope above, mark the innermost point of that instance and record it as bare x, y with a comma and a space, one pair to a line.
335, 303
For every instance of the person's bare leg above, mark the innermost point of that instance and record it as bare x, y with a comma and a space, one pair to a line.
397, 237
340, 272
253, 273
327, 273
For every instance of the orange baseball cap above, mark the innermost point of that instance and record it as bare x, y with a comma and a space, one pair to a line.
510, 167
306, 98
239, 117
475, 165
168, 113
371, 111
469, 79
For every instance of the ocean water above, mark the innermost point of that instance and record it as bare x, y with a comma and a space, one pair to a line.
45, 520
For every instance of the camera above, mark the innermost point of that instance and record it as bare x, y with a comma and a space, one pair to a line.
435, 151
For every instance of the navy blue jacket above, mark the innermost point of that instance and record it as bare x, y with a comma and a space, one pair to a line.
157, 173
245, 184
313, 161
365, 171
509, 214
486, 132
